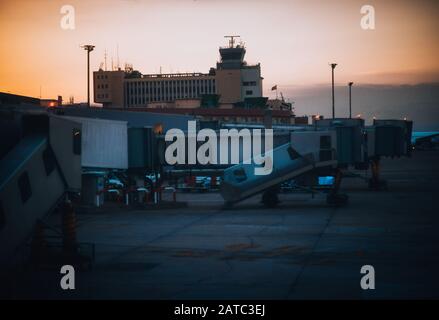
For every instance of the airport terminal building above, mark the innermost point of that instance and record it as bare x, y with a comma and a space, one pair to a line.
231, 81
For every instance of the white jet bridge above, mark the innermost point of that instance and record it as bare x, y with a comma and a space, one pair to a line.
307, 151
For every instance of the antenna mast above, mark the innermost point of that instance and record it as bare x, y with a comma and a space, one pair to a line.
117, 52
232, 40
105, 60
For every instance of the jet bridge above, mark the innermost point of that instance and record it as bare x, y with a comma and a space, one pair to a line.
307, 151
36, 171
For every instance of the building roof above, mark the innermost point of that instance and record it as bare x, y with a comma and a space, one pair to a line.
134, 119
232, 112
9, 98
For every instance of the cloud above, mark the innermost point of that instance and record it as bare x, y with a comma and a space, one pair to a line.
399, 77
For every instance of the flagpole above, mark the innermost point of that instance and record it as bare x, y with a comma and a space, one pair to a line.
274, 88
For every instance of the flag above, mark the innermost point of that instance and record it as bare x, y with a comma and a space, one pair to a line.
274, 88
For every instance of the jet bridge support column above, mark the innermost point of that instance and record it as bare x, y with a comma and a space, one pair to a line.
334, 197
375, 183
270, 197
70, 244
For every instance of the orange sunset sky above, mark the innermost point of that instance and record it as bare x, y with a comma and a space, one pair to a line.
293, 40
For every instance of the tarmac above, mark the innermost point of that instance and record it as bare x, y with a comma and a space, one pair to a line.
303, 249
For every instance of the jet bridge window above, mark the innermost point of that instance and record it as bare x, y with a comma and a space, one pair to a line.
325, 142
76, 141
49, 160
240, 175
24, 187
325, 153
293, 153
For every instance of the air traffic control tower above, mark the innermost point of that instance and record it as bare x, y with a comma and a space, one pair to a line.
234, 77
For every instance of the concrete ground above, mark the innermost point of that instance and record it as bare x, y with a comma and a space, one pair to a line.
301, 250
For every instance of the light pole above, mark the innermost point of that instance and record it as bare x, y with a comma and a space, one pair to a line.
333, 65
89, 48
350, 99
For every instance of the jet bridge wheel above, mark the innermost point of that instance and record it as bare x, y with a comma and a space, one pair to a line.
270, 197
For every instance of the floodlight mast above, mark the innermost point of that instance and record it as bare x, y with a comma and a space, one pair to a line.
333, 65
89, 48
350, 99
